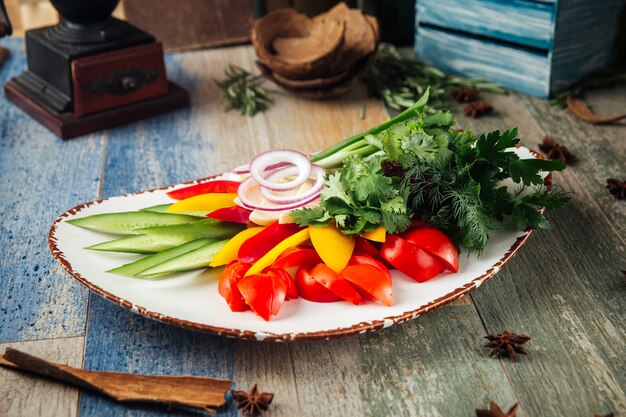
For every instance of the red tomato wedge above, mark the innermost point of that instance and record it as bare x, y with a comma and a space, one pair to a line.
264, 293
310, 289
227, 286
298, 256
365, 247
436, 243
218, 186
292, 290
234, 214
334, 282
410, 259
370, 279
258, 245
366, 260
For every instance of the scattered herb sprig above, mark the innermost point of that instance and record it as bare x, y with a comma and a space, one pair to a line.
243, 91
418, 165
592, 83
400, 81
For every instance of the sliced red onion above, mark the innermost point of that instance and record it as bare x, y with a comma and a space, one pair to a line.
264, 161
242, 169
249, 191
315, 189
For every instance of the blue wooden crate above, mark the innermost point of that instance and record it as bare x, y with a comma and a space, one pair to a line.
539, 47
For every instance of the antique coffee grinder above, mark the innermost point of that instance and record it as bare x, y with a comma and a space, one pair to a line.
91, 71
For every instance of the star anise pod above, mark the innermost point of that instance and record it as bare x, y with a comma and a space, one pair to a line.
465, 95
496, 411
554, 150
617, 188
253, 403
507, 344
477, 109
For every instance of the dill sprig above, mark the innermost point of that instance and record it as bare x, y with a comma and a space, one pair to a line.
400, 81
243, 91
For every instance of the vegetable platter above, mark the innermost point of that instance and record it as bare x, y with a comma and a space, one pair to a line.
376, 230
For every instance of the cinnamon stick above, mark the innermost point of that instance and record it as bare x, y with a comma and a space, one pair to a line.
188, 391
580, 109
4, 54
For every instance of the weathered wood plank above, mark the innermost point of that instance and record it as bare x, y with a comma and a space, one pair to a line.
572, 304
601, 150
431, 366
40, 177
26, 395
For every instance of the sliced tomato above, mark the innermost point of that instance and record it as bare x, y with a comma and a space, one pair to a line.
218, 186
370, 279
310, 289
410, 259
234, 214
365, 247
227, 286
264, 293
254, 248
297, 256
436, 243
323, 274
292, 290
367, 260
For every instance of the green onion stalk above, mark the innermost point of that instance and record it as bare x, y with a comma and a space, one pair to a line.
357, 145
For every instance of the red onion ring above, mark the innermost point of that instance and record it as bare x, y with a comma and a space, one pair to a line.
315, 189
265, 160
249, 188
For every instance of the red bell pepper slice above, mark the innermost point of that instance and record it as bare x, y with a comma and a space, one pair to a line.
218, 186
264, 293
366, 260
365, 247
298, 256
258, 245
292, 290
334, 282
234, 214
227, 286
410, 259
370, 279
310, 289
436, 243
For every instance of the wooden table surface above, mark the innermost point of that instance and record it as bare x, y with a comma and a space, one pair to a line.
564, 288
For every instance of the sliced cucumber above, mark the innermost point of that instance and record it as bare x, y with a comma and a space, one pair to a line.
207, 228
162, 208
195, 259
133, 268
142, 243
127, 222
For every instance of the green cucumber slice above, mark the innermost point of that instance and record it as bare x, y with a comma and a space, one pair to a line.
127, 222
133, 268
142, 243
195, 259
162, 208
207, 228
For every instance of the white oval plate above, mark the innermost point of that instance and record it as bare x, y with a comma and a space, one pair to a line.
191, 299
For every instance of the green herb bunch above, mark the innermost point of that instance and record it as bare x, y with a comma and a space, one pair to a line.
400, 81
419, 166
359, 197
243, 91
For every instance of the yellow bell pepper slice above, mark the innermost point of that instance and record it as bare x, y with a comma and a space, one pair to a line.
204, 202
334, 247
377, 235
230, 250
271, 256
